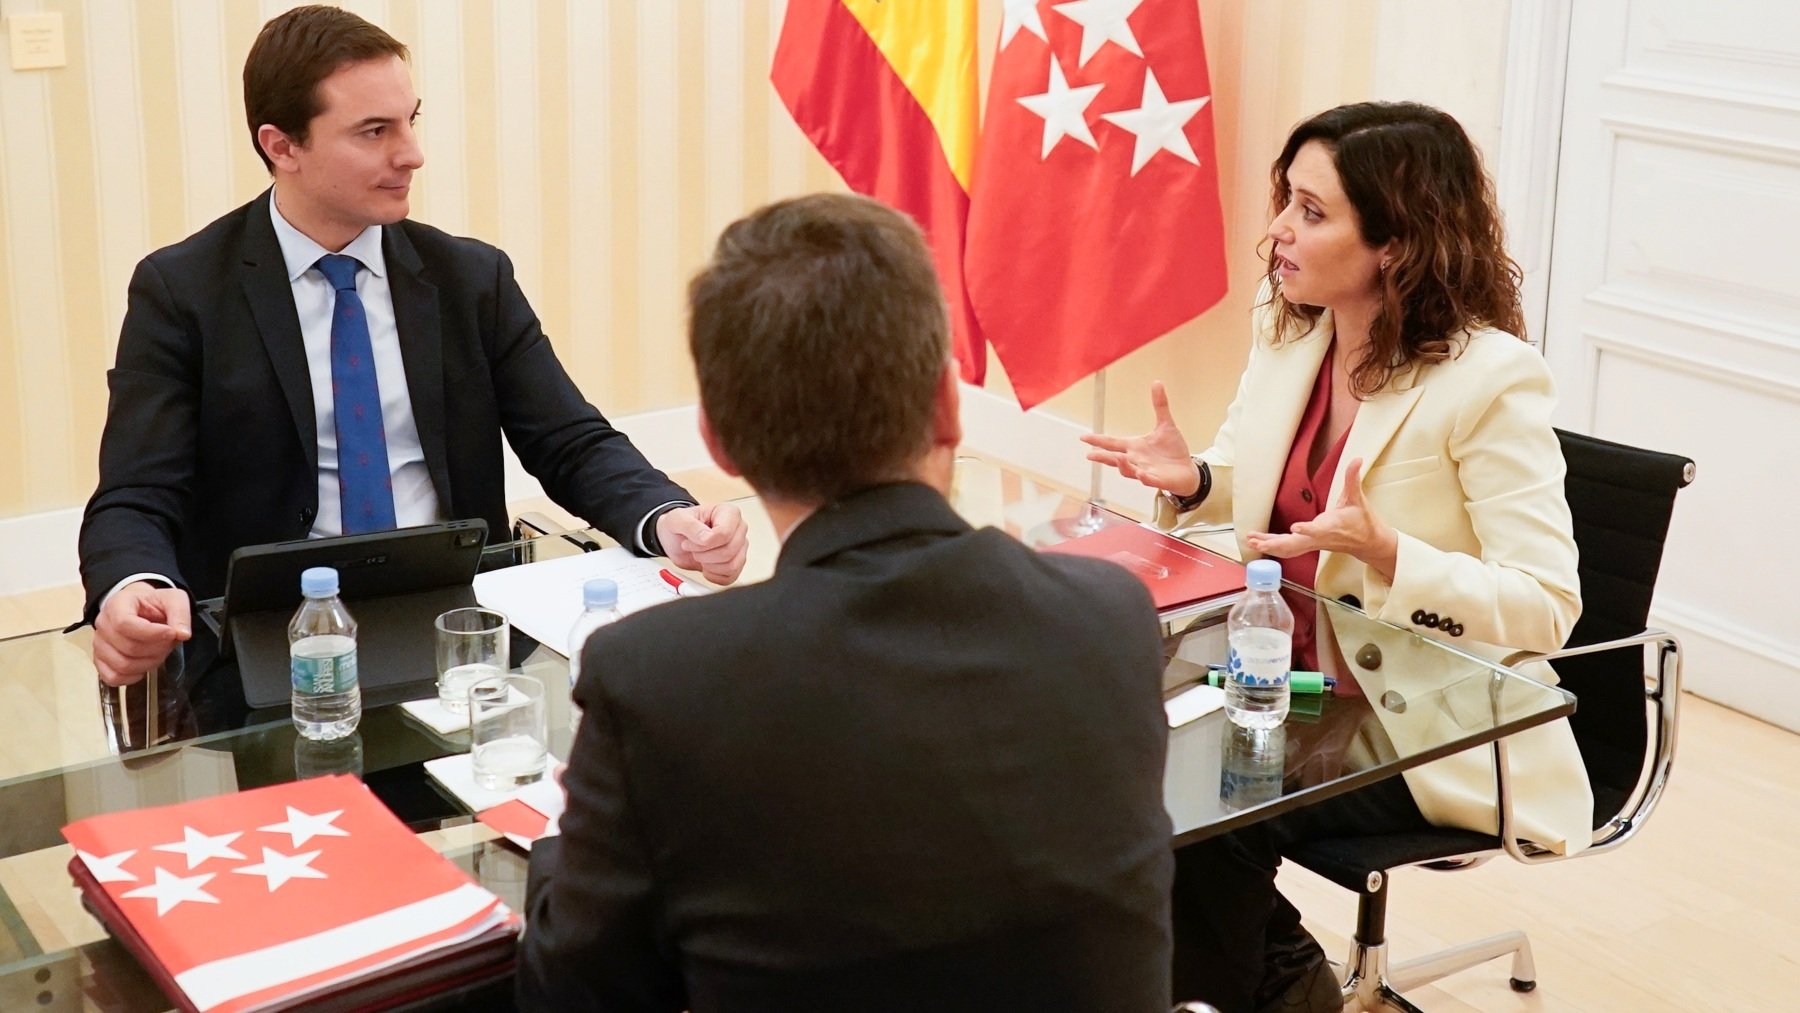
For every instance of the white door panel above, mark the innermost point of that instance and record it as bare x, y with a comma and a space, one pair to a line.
1725, 412
1674, 307
1740, 45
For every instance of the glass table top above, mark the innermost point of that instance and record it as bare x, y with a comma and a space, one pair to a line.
1401, 700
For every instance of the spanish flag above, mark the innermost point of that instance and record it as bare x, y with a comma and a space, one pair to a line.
887, 91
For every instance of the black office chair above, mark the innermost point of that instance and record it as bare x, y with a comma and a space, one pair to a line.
1627, 684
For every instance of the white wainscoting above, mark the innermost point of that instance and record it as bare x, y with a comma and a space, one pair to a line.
39, 549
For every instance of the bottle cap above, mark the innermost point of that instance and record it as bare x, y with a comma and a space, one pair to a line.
1263, 575
600, 593
319, 582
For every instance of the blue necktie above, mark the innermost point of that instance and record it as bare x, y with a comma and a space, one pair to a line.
365, 489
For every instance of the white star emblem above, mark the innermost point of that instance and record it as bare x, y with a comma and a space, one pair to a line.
107, 870
278, 868
1158, 124
1064, 109
171, 890
199, 847
1021, 14
1102, 21
303, 827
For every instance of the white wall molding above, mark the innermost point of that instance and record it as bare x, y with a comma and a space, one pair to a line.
1695, 366
1733, 664
1644, 304
1663, 87
40, 548
1530, 142
1039, 442
669, 437
1709, 141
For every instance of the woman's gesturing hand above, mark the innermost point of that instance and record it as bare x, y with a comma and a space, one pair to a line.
1349, 527
1158, 458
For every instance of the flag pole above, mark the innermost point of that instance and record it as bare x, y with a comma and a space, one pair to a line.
1089, 521
1099, 426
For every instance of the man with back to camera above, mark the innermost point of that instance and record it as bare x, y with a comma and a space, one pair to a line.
919, 768
314, 364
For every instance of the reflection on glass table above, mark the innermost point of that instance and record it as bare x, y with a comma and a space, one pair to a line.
1401, 700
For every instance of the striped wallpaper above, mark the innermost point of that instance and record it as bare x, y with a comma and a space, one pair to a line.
602, 143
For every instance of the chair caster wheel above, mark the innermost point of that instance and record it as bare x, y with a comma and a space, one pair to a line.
1522, 986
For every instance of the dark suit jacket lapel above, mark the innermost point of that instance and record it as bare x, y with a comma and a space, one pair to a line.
271, 297
869, 515
422, 352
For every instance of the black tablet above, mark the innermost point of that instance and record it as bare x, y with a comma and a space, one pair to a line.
395, 583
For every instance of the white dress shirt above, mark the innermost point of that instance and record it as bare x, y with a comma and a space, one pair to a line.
415, 499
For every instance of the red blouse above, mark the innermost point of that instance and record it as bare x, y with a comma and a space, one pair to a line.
1301, 497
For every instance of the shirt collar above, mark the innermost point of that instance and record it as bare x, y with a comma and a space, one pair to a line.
300, 252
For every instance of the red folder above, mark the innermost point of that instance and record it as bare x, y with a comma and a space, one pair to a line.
1175, 572
298, 895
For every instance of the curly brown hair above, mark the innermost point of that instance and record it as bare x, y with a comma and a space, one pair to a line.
1414, 178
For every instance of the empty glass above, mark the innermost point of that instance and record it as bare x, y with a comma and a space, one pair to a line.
507, 731
472, 644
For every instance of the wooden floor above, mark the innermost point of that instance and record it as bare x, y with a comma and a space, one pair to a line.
1700, 912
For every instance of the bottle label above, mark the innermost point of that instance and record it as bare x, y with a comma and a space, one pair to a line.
1260, 657
320, 676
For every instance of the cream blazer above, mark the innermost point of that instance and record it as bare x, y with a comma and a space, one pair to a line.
1459, 457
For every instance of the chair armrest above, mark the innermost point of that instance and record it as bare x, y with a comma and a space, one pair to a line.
531, 524
1663, 693
1650, 636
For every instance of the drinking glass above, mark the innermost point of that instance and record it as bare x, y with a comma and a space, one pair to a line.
472, 644
507, 729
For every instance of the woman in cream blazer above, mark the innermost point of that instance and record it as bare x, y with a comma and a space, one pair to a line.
1388, 323
1462, 464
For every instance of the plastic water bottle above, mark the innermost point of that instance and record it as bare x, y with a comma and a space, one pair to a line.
322, 660
600, 605
1260, 630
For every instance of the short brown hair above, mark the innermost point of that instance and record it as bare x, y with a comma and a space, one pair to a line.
1414, 177
820, 336
292, 54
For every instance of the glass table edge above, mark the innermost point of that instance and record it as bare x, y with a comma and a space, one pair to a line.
1363, 778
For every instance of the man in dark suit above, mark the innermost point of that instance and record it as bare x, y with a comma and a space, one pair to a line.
920, 768
314, 363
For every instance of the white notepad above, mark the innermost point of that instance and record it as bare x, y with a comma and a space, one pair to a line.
543, 600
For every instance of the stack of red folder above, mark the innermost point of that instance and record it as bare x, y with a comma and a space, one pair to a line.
1176, 572
307, 895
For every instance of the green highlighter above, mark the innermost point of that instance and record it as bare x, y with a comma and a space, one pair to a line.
1298, 682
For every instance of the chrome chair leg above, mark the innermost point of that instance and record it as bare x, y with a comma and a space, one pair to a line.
1392, 1000
1444, 963
1365, 985
1370, 984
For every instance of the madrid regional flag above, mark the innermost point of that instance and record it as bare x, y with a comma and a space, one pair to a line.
887, 91
243, 899
1094, 222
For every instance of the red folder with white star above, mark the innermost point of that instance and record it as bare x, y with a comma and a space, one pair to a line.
285, 896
